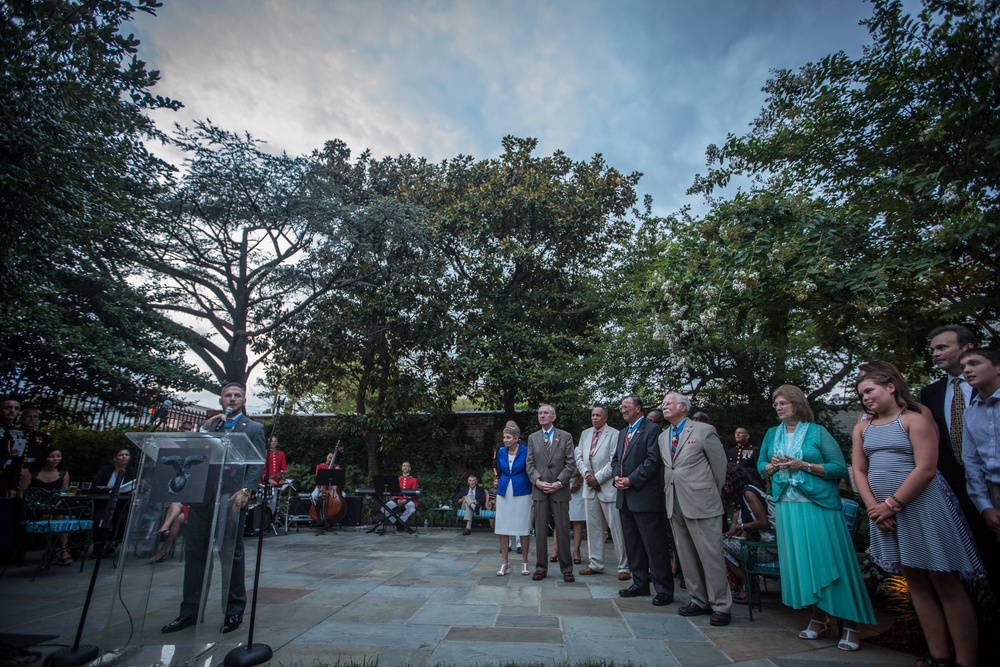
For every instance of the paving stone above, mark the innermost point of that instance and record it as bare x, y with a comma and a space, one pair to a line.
524, 620
595, 627
662, 626
697, 654
338, 633
380, 611
441, 613
506, 635
477, 653
739, 644
513, 596
635, 652
581, 607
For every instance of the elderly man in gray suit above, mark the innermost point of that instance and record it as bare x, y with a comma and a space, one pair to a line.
550, 465
694, 470
593, 460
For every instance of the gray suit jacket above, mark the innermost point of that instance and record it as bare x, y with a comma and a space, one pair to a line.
599, 465
696, 473
550, 463
255, 432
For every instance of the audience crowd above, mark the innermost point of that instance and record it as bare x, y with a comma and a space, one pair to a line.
926, 472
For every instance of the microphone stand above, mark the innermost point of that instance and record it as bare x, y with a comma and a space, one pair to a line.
78, 654
254, 654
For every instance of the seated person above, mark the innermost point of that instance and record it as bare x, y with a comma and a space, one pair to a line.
173, 523
329, 465
471, 498
753, 519
51, 478
409, 505
104, 482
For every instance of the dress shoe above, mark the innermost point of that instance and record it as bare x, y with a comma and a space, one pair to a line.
467, 531
634, 591
539, 575
232, 622
624, 576
663, 599
568, 577
178, 623
720, 618
588, 571
692, 609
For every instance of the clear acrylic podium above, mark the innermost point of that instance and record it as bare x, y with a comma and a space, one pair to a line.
202, 471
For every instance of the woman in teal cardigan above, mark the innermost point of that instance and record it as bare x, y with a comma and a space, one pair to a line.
819, 568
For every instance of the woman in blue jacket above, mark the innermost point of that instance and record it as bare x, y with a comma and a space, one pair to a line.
513, 497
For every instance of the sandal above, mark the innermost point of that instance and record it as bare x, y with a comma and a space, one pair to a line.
845, 643
740, 596
524, 568
504, 569
811, 633
65, 558
157, 558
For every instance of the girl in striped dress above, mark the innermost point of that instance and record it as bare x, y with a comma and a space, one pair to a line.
917, 528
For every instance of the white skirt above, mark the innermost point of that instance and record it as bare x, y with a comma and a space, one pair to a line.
513, 514
577, 506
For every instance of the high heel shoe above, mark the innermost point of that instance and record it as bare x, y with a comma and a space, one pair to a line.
157, 558
524, 568
504, 569
810, 633
845, 643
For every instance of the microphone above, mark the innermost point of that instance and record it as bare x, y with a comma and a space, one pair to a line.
222, 422
161, 414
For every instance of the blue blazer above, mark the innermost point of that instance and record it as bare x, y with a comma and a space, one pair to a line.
513, 474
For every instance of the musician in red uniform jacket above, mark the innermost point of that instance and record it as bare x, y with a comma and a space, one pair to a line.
275, 464
406, 481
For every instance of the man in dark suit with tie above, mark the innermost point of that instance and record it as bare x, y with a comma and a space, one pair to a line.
947, 398
198, 530
550, 466
638, 472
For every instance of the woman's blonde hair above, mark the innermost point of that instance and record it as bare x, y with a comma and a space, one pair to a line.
797, 398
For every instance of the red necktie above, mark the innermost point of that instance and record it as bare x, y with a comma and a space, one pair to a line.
621, 464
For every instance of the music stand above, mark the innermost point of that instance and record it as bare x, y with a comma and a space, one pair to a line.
387, 485
335, 477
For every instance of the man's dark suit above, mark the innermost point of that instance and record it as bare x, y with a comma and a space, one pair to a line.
198, 536
933, 396
642, 507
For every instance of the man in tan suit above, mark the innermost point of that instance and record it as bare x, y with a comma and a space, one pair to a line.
593, 460
694, 470
550, 465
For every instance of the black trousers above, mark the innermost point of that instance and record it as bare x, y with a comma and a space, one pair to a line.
647, 544
197, 552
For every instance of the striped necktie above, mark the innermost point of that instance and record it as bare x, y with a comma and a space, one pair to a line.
957, 416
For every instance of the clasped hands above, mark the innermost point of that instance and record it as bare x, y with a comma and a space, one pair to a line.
788, 463
548, 487
883, 517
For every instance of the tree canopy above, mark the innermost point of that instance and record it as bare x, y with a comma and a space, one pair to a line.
76, 181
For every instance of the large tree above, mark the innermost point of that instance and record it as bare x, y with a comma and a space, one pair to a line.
526, 239
905, 137
76, 182
247, 242
380, 347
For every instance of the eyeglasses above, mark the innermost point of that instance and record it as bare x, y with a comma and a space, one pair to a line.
780, 404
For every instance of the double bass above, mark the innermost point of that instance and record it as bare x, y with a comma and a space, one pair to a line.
330, 507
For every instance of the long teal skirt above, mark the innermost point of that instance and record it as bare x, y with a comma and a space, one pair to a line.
817, 562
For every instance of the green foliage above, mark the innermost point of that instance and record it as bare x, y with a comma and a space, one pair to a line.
75, 184
902, 143
86, 451
525, 238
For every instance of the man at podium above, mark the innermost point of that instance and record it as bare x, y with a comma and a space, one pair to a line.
199, 524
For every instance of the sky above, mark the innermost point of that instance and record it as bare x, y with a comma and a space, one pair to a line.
649, 84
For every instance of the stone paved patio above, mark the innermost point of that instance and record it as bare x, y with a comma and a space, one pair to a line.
426, 599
